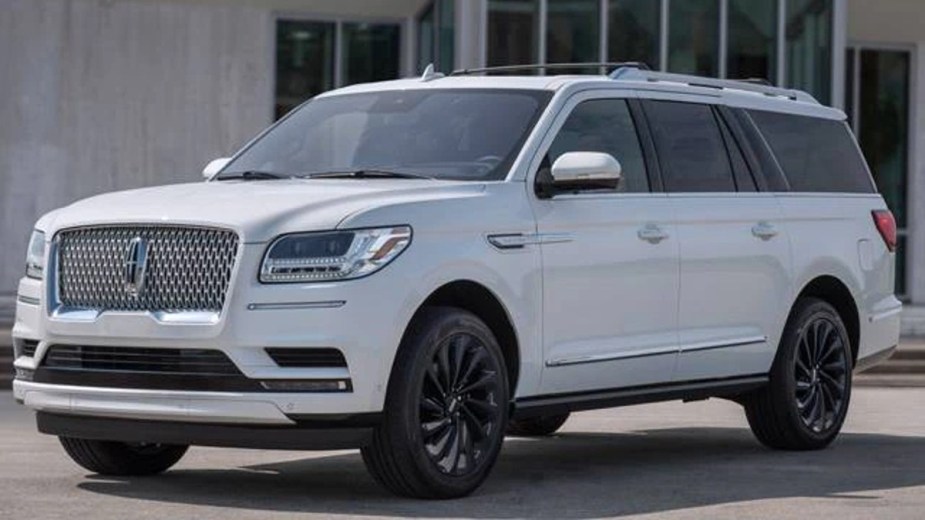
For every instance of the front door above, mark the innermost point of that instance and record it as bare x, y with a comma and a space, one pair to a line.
610, 260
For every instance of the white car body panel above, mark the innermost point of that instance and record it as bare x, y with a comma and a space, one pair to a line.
583, 288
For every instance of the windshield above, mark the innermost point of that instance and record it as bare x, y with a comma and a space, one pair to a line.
462, 134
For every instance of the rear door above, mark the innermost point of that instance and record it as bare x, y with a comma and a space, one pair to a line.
735, 267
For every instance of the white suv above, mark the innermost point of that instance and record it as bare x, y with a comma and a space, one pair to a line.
417, 267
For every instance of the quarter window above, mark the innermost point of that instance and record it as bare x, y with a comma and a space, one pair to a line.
816, 155
690, 147
606, 126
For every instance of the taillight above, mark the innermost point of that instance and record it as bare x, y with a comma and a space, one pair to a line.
886, 225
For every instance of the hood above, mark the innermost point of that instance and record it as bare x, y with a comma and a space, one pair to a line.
258, 210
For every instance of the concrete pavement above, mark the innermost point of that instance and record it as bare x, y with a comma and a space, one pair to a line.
670, 460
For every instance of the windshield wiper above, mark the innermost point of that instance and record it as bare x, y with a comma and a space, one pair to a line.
367, 174
252, 175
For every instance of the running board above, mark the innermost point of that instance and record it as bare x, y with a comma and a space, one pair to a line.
686, 390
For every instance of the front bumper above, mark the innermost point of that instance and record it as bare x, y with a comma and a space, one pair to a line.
344, 315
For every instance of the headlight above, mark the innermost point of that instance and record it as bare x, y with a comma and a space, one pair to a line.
335, 255
35, 257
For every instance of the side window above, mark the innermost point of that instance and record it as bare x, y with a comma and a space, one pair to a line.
815, 154
604, 125
740, 170
690, 147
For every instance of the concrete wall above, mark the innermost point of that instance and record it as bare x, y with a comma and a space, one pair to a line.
899, 23
102, 95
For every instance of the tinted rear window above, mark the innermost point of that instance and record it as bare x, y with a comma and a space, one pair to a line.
817, 155
690, 147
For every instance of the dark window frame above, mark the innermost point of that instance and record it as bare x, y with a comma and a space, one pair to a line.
714, 109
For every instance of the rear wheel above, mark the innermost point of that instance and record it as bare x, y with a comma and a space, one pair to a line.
805, 404
540, 426
446, 409
120, 458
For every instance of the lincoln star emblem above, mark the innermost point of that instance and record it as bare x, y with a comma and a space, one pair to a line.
134, 266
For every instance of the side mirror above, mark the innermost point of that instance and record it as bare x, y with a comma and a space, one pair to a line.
214, 167
575, 171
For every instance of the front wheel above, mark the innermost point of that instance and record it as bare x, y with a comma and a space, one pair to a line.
805, 404
446, 408
120, 458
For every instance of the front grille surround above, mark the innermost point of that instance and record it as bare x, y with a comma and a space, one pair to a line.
189, 268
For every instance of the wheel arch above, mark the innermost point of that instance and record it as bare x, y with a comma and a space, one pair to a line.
835, 292
483, 302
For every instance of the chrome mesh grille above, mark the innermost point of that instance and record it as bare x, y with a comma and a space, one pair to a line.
188, 268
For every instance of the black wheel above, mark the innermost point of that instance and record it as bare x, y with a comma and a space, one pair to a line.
120, 458
446, 409
536, 426
805, 404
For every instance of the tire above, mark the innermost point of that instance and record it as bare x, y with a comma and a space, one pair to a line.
441, 434
122, 459
806, 401
536, 426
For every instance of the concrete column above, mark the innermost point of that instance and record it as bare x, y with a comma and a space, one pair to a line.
470, 33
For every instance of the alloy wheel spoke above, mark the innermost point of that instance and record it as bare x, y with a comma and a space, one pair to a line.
431, 406
488, 378
432, 428
475, 360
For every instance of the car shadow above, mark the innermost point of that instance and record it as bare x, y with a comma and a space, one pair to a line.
572, 475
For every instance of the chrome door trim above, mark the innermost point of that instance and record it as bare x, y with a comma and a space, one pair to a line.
712, 345
600, 358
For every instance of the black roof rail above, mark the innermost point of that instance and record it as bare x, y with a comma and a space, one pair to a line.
551, 66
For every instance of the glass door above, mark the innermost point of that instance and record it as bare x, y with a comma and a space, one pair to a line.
878, 106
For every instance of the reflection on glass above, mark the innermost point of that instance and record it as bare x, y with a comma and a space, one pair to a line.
304, 62
513, 27
573, 29
446, 35
370, 52
884, 132
809, 47
426, 37
633, 33
436, 25
752, 44
693, 37
849, 86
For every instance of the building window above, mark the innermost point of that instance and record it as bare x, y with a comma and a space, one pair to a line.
573, 31
693, 37
878, 88
809, 47
634, 31
752, 39
307, 51
436, 36
513, 32
304, 62
371, 52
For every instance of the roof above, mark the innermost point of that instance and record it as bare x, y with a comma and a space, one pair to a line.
749, 95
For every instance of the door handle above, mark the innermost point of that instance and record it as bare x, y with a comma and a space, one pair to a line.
652, 234
764, 231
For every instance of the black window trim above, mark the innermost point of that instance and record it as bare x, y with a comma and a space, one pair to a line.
647, 141
768, 163
713, 110
725, 117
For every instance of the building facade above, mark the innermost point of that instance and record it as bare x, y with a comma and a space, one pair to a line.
99, 95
